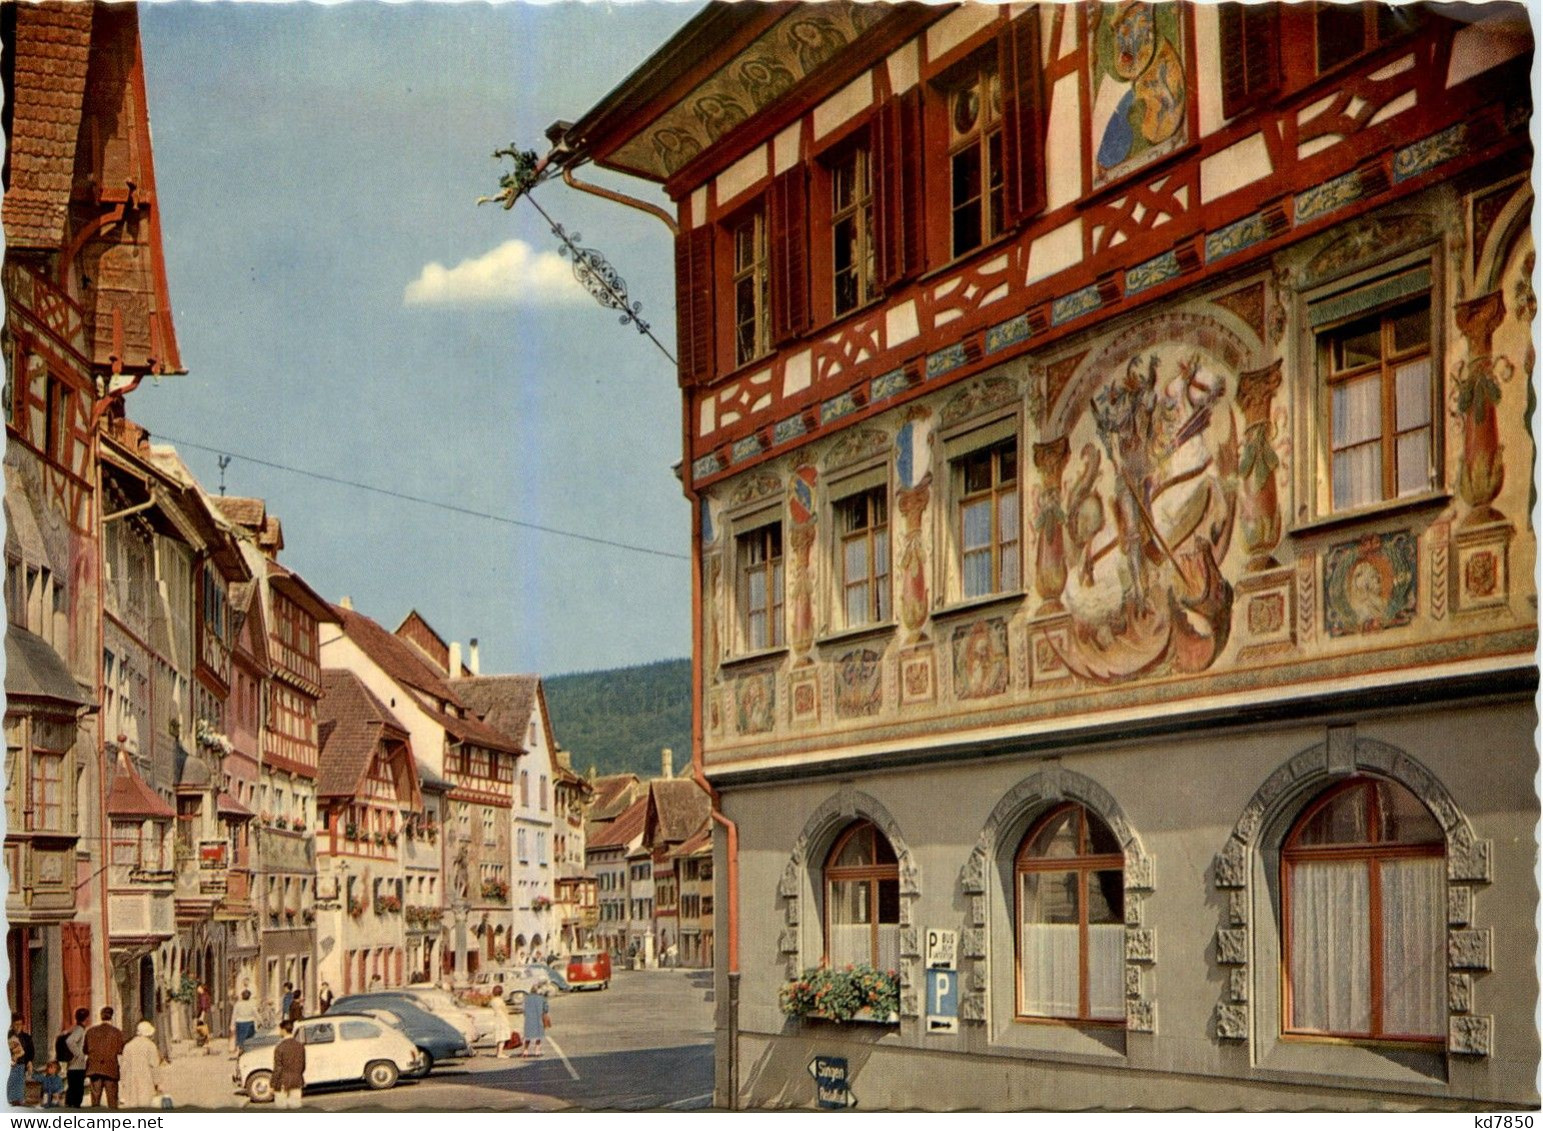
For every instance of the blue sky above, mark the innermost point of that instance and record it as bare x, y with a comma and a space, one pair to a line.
344, 307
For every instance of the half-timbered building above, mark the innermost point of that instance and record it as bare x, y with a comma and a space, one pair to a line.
1106, 426
87, 317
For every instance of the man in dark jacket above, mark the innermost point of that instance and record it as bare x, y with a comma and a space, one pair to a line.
104, 1045
288, 1068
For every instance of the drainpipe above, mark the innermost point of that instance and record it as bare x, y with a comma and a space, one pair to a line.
104, 826
697, 770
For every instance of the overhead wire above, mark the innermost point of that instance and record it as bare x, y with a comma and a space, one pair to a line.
437, 503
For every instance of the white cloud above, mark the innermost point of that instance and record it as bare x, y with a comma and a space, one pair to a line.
512, 274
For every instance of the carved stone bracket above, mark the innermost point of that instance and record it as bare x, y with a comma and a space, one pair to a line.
1469, 948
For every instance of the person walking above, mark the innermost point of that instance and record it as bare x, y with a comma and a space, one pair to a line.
243, 1021
324, 999
75, 1063
503, 1030
23, 1053
287, 1000
536, 1021
140, 1069
104, 1045
288, 1068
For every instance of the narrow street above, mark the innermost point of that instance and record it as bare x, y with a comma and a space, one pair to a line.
644, 1043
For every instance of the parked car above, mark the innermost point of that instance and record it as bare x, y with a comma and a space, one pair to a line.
476, 1022
521, 980
436, 1038
339, 1047
589, 970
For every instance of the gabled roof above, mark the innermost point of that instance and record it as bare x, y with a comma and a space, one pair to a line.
504, 701
613, 793
293, 586
416, 630
393, 655
355, 726
622, 831
130, 797
699, 845
680, 808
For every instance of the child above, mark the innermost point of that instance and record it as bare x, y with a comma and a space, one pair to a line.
53, 1085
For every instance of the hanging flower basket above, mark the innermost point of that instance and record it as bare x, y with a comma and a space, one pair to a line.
495, 889
852, 993
540, 903
355, 907
388, 904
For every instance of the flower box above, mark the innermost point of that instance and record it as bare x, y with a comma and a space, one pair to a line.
853, 993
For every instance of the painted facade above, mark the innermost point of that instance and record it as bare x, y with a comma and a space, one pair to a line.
1111, 415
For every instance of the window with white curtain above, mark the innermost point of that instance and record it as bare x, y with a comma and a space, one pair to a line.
1380, 392
862, 900
1070, 878
1364, 916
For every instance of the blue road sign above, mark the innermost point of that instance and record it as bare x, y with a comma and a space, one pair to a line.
942, 1001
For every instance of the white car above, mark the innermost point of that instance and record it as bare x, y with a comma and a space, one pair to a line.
339, 1047
441, 1003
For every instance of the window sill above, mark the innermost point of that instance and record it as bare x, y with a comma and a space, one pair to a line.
861, 1017
976, 604
747, 659
860, 632
1430, 500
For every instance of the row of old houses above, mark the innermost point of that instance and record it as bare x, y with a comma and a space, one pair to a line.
215, 775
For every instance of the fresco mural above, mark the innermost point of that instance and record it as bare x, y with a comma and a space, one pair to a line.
755, 700
980, 659
1132, 547
1370, 584
859, 683
1139, 86
787, 53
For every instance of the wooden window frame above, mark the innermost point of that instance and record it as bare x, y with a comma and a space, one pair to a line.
964, 498
1325, 339
880, 602
768, 537
1372, 853
1374, 33
871, 874
756, 272
981, 71
860, 212
37, 803
1084, 863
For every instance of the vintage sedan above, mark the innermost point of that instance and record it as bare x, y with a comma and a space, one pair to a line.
339, 1048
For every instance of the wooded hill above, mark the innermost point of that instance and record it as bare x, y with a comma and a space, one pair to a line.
618, 720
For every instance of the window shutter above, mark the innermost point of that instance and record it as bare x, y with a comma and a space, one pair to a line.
897, 168
1023, 118
694, 304
787, 206
1250, 38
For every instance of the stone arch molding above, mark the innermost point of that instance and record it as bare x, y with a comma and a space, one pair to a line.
1469, 947
835, 813
1041, 790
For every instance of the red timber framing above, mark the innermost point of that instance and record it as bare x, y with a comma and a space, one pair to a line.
1315, 128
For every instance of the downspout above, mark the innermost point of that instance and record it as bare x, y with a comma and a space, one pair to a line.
104, 843
698, 773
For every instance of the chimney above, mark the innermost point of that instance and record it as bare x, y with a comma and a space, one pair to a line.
564, 758
474, 658
667, 763
455, 660
346, 602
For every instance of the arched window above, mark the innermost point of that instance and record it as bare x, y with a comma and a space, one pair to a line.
862, 900
1363, 910
1070, 876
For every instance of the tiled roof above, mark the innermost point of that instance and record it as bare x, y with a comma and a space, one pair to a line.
353, 722
131, 797
394, 655
681, 806
504, 701
52, 46
477, 732
701, 843
613, 793
621, 832
230, 807
250, 513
